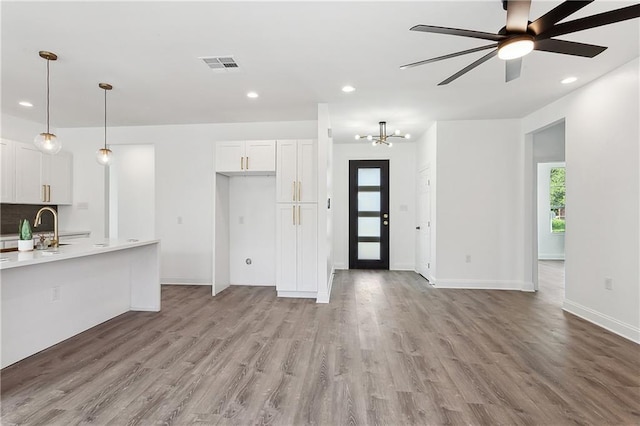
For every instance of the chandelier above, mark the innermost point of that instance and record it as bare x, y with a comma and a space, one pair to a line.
382, 139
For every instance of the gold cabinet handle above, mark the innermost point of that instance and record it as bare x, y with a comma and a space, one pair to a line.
299, 191
294, 215
246, 163
293, 192
44, 193
299, 216
241, 163
49, 193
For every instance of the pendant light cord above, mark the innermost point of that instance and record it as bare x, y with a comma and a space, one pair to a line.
105, 118
48, 96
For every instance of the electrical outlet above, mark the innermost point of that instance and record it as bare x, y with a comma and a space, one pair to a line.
608, 283
55, 294
468, 258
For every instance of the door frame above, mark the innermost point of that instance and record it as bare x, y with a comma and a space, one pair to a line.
383, 263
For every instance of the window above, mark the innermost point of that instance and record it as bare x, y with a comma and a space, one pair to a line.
557, 199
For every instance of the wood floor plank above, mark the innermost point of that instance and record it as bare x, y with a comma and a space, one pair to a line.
389, 350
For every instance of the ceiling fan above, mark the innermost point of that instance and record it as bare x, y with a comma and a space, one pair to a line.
520, 36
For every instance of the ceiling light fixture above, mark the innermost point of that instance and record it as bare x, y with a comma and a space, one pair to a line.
348, 89
47, 141
104, 155
383, 137
569, 80
515, 47
25, 104
252, 95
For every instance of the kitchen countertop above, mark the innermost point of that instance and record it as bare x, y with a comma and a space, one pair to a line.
71, 249
14, 237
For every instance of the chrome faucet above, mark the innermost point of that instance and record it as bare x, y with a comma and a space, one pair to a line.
38, 220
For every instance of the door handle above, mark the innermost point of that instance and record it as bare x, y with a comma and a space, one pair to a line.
417, 227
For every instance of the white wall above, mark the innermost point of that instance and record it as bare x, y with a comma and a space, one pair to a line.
603, 198
479, 204
325, 214
402, 205
132, 193
21, 130
252, 230
184, 184
550, 244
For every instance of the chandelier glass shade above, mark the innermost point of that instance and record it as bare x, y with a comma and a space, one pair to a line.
104, 156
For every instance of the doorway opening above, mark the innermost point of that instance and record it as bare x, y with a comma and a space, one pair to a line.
549, 210
369, 214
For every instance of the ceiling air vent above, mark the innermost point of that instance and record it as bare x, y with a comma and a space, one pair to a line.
221, 63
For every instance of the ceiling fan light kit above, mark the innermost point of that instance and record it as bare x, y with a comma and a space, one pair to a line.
383, 138
519, 36
515, 47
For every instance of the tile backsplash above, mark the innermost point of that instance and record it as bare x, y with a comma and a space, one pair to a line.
10, 215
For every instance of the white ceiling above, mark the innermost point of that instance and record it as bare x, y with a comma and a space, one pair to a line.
294, 54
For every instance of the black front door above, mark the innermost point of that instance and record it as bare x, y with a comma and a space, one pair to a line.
369, 214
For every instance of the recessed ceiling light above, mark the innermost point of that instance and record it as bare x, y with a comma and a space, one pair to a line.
252, 95
25, 104
348, 89
569, 80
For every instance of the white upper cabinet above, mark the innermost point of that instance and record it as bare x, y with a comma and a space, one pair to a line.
42, 178
8, 170
296, 176
30, 187
246, 157
59, 177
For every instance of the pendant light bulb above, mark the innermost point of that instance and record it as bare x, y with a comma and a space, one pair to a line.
104, 156
47, 142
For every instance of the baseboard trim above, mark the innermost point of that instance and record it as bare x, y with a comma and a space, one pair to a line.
342, 266
181, 281
402, 267
614, 325
481, 284
298, 294
550, 256
254, 285
324, 297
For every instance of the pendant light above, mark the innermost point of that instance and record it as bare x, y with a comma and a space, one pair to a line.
104, 155
47, 141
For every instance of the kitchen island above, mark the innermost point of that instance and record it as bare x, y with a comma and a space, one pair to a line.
50, 295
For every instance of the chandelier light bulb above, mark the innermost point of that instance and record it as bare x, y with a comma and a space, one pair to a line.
374, 143
389, 144
407, 136
397, 132
357, 137
369, 137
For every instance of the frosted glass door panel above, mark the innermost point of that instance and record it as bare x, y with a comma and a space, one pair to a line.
369, 251
368, 226
368, 201
368, 177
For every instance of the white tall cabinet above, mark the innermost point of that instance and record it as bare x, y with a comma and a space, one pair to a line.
296, 219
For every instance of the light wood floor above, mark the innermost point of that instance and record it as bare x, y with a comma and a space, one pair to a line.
387, 350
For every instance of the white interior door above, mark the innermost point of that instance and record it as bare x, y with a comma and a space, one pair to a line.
423, 263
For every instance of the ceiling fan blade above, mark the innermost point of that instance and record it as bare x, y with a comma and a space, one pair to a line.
556, 14
592, 21
451, 55
518, 15
569, 47
458, 32
469, 67
512, 69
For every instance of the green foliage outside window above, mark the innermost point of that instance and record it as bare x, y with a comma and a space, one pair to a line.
557, 199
